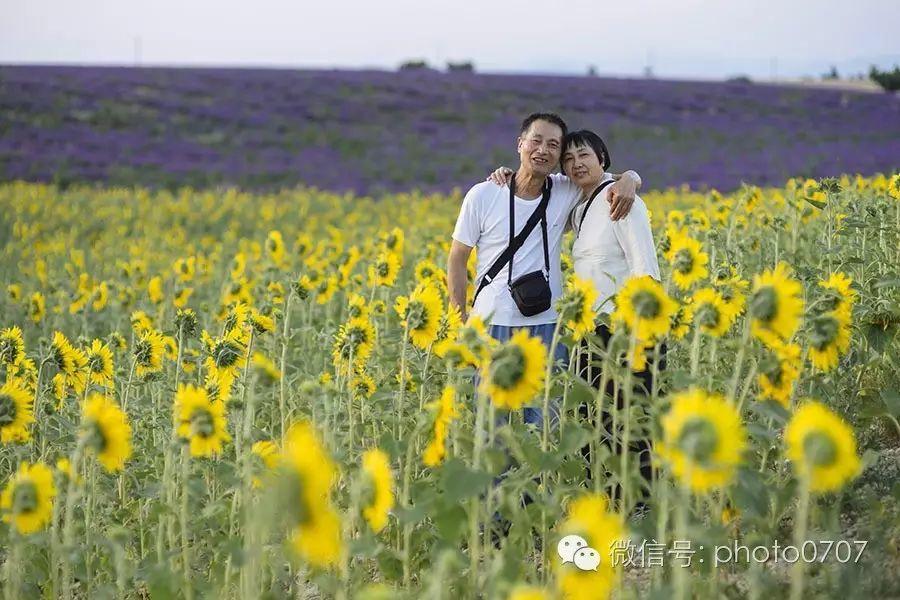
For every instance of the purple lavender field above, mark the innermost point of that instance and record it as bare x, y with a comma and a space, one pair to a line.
374, 131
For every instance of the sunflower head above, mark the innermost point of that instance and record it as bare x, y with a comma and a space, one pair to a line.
515, 373
27, 499
200, 421
703, 440
377, 493
106, 431
776, 305
643, 306
16, 412
576, 307
822, 447
12, 345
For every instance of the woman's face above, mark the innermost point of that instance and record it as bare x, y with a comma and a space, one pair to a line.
582, 165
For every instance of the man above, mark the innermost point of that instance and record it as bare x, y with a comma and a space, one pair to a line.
483, 223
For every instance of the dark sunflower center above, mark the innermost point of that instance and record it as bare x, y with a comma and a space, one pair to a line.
143, 352
764, 304
97, 363
830, 300
684, 261
708, 316
25, 498
824, 331
819, 449
226, 354
382, 269
508, 366
8, 410
202, 423
9, 351
416, 315
698, 439
646, 304
295, 499
94, 436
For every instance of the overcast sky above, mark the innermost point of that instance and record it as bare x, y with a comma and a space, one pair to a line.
687, 38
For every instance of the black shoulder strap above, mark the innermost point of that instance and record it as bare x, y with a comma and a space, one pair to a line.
539, 214
587, 204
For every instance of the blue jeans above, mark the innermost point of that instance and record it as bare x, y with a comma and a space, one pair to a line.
502, 333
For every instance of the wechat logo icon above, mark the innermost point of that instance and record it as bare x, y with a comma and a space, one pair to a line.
574, 549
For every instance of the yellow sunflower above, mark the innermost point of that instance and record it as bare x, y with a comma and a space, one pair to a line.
65, 356
688, 261
822, 447
155, 290
16, 412
357, 307
200, 420
711, 314
355, 339
37, 307
362, 386
393, 240
515, 373
576, 307
27, 499
776, 305
527, 592
777, 376
681, 321
446, 412
261, 323
451, 321
140, 322
894, 187
326, 289
12, 345
380, 494
420, 314
308, 473
107, 431
829, 338
733, 290
149, 350
384, 271
841, 297
266, 367
590, 518
643, 306
100, 364
703, 440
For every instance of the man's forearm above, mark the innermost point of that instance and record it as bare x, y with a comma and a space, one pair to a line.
632, 175
457, 282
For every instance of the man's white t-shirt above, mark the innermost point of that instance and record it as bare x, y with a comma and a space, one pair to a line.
483, 223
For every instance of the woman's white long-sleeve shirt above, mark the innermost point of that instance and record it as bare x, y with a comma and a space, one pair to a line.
608, 252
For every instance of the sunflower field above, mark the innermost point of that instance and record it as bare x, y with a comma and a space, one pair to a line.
233, 395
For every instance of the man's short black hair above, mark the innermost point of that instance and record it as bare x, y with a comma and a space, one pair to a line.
588, 138
542, 116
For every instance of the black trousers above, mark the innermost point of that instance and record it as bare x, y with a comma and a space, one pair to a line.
589, 368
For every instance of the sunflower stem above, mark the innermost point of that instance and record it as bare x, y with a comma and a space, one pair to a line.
284, 347
183, 513
69, 520
799, 569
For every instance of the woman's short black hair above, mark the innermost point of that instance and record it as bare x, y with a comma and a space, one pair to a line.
585, 137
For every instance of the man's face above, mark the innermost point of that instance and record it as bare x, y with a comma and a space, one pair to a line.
540, 146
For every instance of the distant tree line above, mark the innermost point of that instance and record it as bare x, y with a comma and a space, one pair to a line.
452, 67
889, 80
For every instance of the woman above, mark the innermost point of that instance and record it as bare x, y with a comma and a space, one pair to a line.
606, 252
